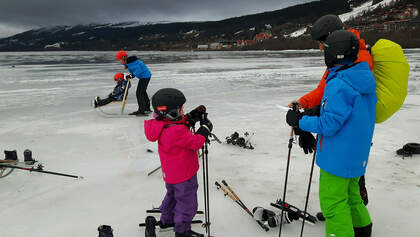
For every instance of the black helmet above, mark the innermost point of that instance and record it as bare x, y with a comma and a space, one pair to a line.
166, 103
325, 26
339, 45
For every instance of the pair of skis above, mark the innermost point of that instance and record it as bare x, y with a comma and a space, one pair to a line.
151, 223
230, 193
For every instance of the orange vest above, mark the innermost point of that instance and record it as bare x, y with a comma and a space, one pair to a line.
314, 97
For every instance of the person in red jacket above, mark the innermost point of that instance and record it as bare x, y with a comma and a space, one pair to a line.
311, 101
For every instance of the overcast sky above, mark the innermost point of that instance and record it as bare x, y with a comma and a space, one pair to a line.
19, 15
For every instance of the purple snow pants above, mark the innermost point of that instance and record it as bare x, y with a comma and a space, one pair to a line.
180, 204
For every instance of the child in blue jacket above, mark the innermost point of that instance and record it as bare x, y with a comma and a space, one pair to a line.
345, 130
142, 72
117, 94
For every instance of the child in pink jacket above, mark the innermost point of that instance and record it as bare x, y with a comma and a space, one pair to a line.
177, 147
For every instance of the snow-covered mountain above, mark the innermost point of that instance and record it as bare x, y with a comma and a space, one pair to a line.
286, 23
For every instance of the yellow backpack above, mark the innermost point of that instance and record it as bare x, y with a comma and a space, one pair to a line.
391, 73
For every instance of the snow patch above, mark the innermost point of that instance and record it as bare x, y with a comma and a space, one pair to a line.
365, 7
297, 33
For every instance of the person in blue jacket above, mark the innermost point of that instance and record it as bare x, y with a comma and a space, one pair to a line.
117, 93
142, 72
345, 129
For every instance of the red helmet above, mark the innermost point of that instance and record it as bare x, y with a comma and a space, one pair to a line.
121, 54
119, 77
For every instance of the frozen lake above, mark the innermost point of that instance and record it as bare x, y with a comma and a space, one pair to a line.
45, 106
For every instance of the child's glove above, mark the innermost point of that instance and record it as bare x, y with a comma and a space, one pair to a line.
195, 115
207, 124
205, 129
293, 117
307, 142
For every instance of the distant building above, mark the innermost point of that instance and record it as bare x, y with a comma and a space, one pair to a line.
262, 36
215, 45
203, 46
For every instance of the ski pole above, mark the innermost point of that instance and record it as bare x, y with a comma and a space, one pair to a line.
40, 170
309, 188
290, 145
154, 170
236, 196
205, 151
236, 199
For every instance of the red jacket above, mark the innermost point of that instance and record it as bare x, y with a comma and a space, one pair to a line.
314, 97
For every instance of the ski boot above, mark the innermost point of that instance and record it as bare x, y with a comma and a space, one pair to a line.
363, 231
320, 216
105, 231
10, 155
94, 103
27, 154
150, 230
288, 217
189, 233
261, 214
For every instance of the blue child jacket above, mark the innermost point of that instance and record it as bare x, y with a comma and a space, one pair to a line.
138, 68
347, 120
119, 89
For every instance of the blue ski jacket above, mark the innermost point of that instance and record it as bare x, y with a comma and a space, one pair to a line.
119, 89
138, 68
346, 122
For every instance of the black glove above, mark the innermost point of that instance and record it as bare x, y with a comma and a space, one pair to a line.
314, 111
195, 115
307, 141
129, 76
207, 124
205, 129
293, 117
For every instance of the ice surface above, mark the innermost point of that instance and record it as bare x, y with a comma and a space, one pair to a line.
45, 106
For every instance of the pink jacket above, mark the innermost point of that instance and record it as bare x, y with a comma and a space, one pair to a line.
177, 148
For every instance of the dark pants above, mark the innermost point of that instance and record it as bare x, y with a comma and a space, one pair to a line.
142, 97
102, 102
180, 204
363, 190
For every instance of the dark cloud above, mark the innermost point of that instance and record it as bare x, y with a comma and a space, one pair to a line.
24, 14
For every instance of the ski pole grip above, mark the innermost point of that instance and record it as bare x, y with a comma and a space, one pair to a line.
217, 185
295, 106
224, 183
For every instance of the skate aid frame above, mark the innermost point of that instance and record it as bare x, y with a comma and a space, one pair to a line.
125, 95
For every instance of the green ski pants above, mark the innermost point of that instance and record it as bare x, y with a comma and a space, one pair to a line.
341, 205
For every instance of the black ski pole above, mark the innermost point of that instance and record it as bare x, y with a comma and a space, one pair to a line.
154, 170
290, 145
205, 152
309, 189
40, 170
